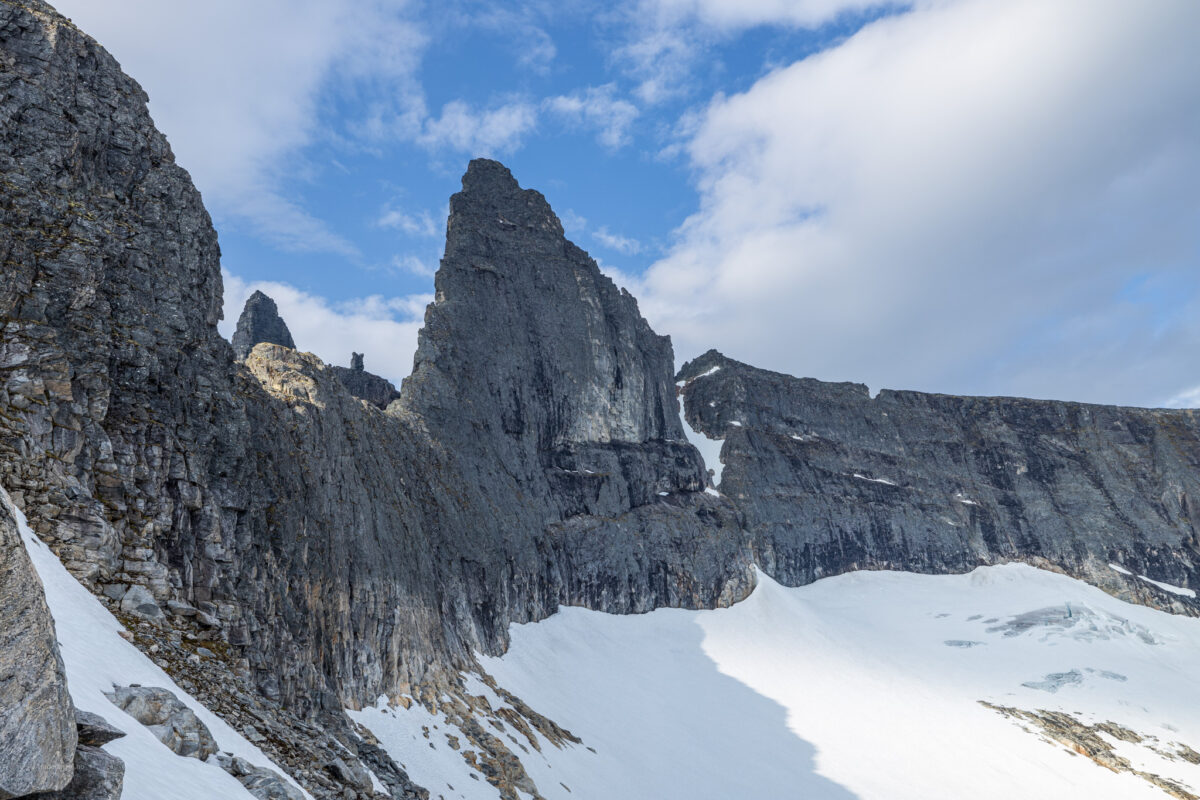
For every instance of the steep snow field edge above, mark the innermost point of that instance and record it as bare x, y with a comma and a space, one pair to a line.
97, 659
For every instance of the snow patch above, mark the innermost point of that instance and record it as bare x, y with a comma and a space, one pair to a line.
1179, 590
710, 449
884, 481
1119, 569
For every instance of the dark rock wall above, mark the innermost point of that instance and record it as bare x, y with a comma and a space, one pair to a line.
829, 479
346, 552
534, 457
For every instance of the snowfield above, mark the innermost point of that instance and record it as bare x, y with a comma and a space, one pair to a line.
867, 685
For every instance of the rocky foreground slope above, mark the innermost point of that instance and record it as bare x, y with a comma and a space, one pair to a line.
323, 551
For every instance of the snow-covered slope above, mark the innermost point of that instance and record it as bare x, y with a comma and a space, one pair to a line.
870, 685
97, 659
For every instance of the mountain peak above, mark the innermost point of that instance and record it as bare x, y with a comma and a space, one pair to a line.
260, 322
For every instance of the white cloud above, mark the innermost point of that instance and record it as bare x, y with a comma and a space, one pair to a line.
419, 224
484, 132
956, 198
666, 40
742, 14
598, 107
235, 86
614, 241
384, 329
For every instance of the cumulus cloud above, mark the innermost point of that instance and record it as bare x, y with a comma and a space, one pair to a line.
614, 241
234, 134
965, 197
666, 40
418, 224
384, 329
489, 131
598, 107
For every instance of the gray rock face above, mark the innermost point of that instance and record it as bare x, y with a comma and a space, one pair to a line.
97, 776
175, 725
37, 721
377, 391
829, 479
260, 322
331, 551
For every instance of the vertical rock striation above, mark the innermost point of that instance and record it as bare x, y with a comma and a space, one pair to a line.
829, 479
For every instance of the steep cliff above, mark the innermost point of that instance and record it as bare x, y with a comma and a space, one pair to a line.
341, 552
326, 551
829, 479
37, 719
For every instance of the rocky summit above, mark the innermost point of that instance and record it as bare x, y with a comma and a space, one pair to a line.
260, 322
324, 551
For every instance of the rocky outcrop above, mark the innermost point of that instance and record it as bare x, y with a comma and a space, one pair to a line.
829, 479
364, 385
37, 720
260, 322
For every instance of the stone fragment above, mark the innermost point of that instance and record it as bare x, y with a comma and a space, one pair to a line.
263, 783
94, 730
138, 600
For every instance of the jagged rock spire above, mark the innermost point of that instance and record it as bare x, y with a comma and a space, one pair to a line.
527, 335
260, 322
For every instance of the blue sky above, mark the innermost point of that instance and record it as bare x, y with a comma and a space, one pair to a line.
951, 195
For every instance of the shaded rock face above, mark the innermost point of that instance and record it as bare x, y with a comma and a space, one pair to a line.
260, 322
829, 479
37, 720
364, 385
335, 551
534, 359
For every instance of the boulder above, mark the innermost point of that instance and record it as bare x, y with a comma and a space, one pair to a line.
261, 782
98, 776
175, 725
138, 600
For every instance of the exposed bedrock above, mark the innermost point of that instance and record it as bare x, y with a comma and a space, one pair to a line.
346, 552
829, 479
333, 550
